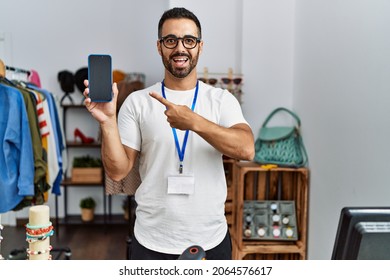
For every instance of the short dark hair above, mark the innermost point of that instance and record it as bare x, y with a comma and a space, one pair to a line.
177, 13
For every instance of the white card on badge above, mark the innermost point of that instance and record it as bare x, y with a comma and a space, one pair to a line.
181, 184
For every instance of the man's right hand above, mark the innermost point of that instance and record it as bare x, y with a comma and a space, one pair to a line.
102, 111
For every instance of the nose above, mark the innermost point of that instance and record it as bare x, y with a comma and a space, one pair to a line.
180, 44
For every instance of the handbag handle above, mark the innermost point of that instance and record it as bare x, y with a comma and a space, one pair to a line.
282, 109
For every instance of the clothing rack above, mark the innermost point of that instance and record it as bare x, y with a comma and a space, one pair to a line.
14, 254
19, 70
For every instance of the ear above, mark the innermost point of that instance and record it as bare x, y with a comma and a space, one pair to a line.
159, 47
200, 47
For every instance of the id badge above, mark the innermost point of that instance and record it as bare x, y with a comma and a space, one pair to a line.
181, 184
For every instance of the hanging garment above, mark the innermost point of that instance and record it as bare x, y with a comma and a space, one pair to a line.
56, 144
31, 107
40, 162
16, 153
33, 78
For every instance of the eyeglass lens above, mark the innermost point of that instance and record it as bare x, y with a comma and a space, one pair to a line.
171, 41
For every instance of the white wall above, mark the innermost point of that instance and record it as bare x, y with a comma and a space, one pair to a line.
342, 92
328, 60
267, 57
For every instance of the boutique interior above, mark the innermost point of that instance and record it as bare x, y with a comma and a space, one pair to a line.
325, 63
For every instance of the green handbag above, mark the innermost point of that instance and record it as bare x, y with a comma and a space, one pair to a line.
280, 145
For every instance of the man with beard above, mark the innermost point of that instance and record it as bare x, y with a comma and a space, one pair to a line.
180, 128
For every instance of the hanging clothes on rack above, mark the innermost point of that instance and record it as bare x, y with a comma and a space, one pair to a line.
55, 141
39, 113
41, 182
40, 162
16, 158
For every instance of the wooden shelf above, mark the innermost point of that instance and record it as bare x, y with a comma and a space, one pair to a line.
274, 251
68, 182
250, 184
75, 144
66, 106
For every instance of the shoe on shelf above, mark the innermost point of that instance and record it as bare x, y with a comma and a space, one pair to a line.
84, 139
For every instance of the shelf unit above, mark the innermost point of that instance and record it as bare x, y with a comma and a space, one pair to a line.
68, 183
250, 182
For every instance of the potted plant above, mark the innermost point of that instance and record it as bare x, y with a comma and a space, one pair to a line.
87, 169
87, 206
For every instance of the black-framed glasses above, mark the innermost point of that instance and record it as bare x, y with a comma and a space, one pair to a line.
188, 41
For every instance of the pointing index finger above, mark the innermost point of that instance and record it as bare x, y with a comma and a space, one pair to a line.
160, 98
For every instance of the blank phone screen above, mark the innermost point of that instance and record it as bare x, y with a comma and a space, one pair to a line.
100, 77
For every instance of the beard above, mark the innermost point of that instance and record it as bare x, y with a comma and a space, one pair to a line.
180, 72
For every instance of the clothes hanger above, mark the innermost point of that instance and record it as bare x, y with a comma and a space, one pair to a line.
3, 72
2, 69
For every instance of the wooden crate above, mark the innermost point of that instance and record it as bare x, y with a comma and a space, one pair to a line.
250, 183
275, 256
87, 175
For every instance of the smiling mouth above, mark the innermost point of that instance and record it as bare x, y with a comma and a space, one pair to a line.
180, 61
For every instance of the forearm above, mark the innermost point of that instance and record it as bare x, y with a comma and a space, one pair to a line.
115, 160
236, 142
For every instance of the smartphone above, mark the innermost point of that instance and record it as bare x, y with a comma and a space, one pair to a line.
100, 77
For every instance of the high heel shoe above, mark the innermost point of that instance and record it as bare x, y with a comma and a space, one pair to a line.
84, 139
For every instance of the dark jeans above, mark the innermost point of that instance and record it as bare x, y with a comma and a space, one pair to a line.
222, 252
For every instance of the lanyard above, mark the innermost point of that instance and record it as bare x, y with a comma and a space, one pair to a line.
181, 151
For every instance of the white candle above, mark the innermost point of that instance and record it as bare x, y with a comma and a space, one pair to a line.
39, 217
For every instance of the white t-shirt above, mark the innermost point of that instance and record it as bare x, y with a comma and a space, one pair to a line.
170, 223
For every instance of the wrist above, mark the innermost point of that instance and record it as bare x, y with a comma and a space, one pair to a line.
198, 123
109, 123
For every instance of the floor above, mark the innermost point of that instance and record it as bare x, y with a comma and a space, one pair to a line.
82, 242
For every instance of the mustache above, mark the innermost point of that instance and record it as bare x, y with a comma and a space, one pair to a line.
180, 54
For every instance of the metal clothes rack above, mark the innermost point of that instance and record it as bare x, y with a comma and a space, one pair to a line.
19, 70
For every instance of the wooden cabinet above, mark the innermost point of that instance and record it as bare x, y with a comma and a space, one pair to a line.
252, 182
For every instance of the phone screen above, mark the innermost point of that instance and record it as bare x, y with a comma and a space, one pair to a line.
100, 77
